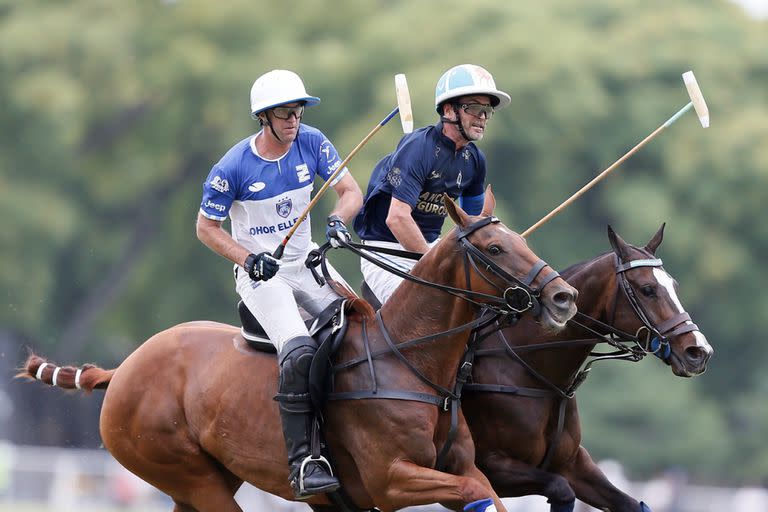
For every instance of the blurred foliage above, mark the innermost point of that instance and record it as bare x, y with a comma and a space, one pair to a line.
113, 114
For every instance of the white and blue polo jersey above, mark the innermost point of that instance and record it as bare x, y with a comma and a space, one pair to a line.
423, 167
264, 198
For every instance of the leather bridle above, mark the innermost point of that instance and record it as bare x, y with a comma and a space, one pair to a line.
657, 336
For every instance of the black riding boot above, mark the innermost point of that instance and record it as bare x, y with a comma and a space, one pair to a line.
308, 476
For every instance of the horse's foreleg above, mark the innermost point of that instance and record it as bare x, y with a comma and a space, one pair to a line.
511, 478
408, 484
592, 486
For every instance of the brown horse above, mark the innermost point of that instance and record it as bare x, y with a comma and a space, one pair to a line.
530, 444
191, 411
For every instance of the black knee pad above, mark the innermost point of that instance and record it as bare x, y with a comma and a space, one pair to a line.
295, 360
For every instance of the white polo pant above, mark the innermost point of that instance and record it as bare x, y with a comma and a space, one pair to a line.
382, 282
275, 303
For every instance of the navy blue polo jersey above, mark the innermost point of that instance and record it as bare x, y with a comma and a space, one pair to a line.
423, 167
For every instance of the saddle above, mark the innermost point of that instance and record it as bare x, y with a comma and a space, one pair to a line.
327, 329
329, 321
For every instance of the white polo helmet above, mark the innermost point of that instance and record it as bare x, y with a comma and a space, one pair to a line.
278, 87
467, 80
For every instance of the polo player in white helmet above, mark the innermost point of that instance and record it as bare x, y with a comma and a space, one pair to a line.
403, 206
263, 184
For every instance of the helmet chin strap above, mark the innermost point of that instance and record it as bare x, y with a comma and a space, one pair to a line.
457, 122
275, 133
269, 123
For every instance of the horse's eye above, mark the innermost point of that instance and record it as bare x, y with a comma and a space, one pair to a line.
494, 250
648, 291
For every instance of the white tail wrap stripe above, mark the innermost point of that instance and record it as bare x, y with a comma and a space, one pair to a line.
77, 377
39, 374
55, 374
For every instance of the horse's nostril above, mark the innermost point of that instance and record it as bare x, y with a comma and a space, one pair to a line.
695, 354
564, 298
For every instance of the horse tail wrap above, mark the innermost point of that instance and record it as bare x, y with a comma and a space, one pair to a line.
87, 377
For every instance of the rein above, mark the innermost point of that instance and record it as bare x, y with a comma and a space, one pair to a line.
517, 298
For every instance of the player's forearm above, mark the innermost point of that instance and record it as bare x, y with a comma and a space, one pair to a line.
222, 243
407, 233
350, 200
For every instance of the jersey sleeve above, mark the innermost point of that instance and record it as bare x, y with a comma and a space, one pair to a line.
477, 186
473, 205
218, 193
408, 171
328, 160
473, 197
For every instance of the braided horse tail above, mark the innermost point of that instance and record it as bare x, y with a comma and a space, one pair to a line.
88, 377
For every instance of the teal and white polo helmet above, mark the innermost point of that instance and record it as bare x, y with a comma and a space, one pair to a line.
467, 80
278, 87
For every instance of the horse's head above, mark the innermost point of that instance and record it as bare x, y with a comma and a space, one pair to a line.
652, 308
499, 263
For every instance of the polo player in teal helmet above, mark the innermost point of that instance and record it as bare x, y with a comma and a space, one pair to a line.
403, 206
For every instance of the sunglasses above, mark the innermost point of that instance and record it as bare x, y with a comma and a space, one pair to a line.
285, 113
477, 109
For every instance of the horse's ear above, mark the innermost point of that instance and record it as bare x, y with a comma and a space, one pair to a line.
490, 202
655, 242
459, 216
618, 244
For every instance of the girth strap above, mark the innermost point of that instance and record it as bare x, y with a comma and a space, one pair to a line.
391, 394
511, 390
440, 462
464, 373
558, 433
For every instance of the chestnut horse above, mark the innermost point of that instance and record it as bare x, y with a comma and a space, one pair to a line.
191, 411
531, 442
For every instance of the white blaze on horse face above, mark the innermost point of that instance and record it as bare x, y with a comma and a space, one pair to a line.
668, 283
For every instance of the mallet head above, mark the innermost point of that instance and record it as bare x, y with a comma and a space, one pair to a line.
404, 103
696, 98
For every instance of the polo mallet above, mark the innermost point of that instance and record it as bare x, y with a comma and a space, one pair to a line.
697, 102
406, 118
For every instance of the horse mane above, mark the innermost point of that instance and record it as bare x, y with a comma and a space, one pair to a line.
577, 267
354, 302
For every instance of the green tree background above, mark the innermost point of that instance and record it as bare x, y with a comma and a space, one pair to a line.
112, 115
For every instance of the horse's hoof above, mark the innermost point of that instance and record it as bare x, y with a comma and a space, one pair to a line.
485, 505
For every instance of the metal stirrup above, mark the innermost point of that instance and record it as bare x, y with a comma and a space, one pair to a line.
309, 458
